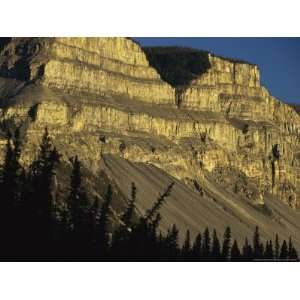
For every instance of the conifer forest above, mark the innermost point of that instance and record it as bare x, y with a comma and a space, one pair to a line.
35, 225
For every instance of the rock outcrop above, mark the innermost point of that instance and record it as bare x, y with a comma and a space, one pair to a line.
188, 112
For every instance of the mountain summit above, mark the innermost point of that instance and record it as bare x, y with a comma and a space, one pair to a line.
156, 115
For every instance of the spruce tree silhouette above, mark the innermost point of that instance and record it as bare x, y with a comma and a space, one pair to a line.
79, 208
290, 246
65, 227
150, 213
216, 248
11, 184
144, 234
197, 247
235, 252
151, 235
121, 245
170, 248
257, 245
186, 248
103, 234
262, 250
41, 177
206, 245
293, 256
284, 251
93, 227
269, 252
247, 251
226, 244
292, 252
129, 212
12, 171
277, 247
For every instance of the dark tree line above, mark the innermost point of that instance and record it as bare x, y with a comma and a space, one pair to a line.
36, 225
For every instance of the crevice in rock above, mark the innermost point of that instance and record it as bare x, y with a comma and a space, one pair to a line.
41, 71
275, 158
234, 79
273, 173
179, 92
276, 152
32, 113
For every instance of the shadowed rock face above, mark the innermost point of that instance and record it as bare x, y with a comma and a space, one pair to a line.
189, 113
178, 66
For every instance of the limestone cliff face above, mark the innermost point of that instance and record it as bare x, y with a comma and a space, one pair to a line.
105, 95
94, 65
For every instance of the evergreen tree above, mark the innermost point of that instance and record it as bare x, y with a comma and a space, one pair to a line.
186, 248
77, 200
269, 252
290, 247
171, 248
216, 248
284, 251
121, 236
128, 214
235, 252
261, 250
206, 245
196, 249
152, 240
144, 234
65, 230
11, 174
41, 196
226, 244
292, 252
30, 200
94, 217
11, 184
265, 254
150, 213
80, 210
257, 245
247, 251
277, 247
103, 234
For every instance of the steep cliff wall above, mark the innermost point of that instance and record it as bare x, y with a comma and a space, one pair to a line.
260, 123
100, 66
108, 96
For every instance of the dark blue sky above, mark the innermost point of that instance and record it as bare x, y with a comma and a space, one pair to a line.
278, 58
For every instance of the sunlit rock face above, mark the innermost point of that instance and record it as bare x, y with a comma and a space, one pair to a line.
187, 112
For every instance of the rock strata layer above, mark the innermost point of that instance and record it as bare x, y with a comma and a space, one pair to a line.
97, 96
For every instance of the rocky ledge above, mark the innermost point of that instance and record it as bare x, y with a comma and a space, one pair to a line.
188, 112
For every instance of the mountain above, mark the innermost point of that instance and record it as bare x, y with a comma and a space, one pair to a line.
156, 115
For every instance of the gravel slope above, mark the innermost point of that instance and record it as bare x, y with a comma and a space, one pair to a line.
189, 210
